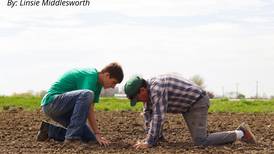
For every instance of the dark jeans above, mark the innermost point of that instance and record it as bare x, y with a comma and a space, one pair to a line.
196, 119
71, 110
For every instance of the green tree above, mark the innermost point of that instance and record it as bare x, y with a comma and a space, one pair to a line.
241, 96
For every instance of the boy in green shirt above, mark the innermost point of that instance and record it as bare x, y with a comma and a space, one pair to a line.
70, 102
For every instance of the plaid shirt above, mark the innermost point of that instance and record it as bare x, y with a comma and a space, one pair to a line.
168, 93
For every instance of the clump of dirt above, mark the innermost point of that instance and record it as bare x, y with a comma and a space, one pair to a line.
18, 129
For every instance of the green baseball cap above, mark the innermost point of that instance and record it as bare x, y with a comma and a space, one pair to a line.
132, 87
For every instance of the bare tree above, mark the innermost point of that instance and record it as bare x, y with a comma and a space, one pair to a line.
197, 79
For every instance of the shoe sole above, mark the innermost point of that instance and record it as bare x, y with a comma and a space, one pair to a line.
246, 128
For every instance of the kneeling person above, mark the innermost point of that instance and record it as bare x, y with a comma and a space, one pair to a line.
173, 94
70, 102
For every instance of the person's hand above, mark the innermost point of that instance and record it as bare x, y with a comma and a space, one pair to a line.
101, 140
141, 145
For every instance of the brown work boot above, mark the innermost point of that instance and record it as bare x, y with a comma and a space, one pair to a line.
248, 137
43, 132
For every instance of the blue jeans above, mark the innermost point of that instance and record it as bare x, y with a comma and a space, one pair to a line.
71, 110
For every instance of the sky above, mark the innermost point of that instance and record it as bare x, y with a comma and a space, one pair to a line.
229, 43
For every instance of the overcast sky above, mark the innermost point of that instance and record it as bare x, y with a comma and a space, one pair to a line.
226, 42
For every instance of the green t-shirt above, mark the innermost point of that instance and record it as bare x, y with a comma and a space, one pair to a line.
75, 79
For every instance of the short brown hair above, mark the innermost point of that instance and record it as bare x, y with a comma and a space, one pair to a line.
115, 71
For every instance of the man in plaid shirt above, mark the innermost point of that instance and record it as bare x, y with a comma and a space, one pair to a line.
172, 93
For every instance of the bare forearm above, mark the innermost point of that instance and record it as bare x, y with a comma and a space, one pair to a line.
93, 124
92, 120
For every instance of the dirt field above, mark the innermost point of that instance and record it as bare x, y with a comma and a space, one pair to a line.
18, 129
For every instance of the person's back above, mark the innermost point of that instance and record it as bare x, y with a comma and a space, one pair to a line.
75, 79
179, 93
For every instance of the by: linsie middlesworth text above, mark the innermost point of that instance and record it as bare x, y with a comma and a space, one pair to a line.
13, 3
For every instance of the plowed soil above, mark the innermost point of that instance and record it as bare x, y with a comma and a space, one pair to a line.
18, 129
